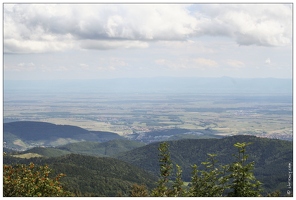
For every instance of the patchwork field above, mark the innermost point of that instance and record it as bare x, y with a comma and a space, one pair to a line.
266, 116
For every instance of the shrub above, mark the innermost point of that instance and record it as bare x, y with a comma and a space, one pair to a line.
31, 181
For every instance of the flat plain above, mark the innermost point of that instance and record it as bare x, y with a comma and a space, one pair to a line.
226, 114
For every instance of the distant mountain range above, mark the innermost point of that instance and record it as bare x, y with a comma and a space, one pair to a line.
221, 85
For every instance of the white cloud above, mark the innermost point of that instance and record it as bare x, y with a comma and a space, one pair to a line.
112, 44
20, 67
110, 64
49, 27
84, 66
235, 63
268, 61
187, 63
187, 46
35, 46
61, 68
258, 24
205, 62
37, 28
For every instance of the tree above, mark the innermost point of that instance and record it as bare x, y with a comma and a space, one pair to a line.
178, 190
165, 170
30, 181
210, 182
236, 179
139, 191
164, 187
274, 194
244, 183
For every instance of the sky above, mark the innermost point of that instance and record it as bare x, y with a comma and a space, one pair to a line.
103, 41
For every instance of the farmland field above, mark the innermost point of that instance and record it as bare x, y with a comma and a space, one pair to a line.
253, 114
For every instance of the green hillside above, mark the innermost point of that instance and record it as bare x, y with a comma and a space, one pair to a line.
88, 174
93, 176
28, 130
23, 135
13, 142
6, 150
47, 152
101, 149
107, 149
191, 136
271, 157
103, 136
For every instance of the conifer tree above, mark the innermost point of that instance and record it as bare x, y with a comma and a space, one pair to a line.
235, 179
209, 182
178, 190
165, 171
244, 183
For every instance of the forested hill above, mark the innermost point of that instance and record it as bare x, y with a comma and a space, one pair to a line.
22, 135
105, 176
108, 148
271, 156
93, 176
28, 130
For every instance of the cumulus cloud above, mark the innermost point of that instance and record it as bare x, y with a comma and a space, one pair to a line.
35, 46
248, 24
49, 27
37, 28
